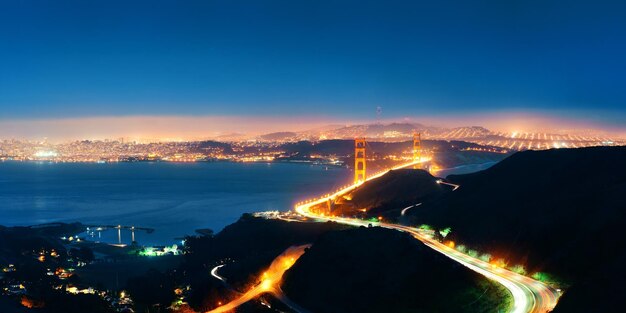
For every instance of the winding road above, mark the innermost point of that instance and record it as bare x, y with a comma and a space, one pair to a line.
529, 295
214, 273
269, 282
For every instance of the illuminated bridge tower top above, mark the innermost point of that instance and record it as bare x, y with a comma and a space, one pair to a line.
359, 160
417, 148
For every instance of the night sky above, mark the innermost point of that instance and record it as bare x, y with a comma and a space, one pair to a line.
340, 59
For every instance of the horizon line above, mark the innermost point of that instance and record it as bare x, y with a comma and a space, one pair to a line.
204, 127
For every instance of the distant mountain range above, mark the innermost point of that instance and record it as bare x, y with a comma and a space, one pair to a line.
477, 134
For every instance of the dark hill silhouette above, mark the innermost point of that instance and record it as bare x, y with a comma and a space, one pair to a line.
392, 192
556, 211
601, 290
553, 210
380, 270
252, 242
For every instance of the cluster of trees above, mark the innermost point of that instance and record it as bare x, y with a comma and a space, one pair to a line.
22, 247
247, 247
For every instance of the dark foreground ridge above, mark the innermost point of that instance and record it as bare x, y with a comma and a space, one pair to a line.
359, 270
246, 248
559, 212
380, 270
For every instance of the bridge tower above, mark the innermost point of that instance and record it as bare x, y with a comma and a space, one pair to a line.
329, 205
359, 160
417, 148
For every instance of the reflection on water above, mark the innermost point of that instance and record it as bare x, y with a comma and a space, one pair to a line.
174, 199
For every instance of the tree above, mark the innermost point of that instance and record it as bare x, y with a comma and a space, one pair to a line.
152, 289
83, 254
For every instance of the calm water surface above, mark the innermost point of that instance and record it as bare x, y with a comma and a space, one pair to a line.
175, 199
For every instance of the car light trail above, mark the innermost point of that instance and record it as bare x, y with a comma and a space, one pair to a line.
407, 208
270, 281
214, 273
454, 186
529, 295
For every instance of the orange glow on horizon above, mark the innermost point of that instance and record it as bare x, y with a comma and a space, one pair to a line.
185, 128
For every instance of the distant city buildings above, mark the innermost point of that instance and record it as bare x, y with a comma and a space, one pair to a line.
276, 146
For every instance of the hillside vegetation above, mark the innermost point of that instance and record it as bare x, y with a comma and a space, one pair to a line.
381, 270
392, 192
559, 213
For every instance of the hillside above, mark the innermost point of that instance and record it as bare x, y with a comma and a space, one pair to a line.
278, 136
381, 270
252, 242
540, 208
392, 192
559, 212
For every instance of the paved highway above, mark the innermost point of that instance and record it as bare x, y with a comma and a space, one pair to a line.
270, 282
529, 295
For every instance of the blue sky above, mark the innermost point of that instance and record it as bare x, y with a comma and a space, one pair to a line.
340, 59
